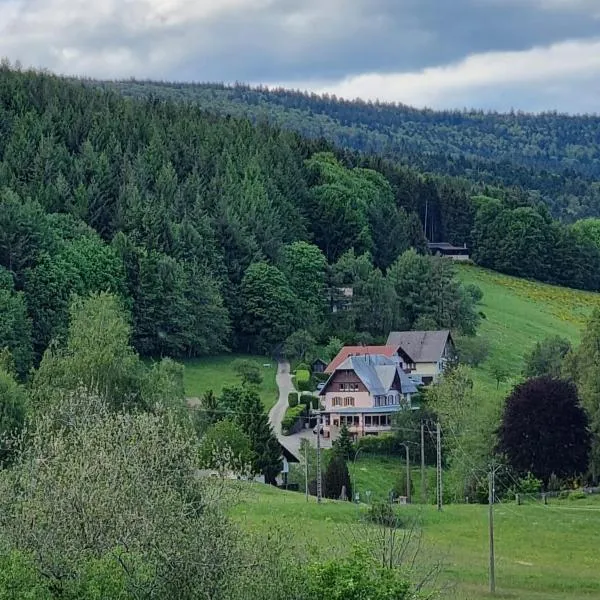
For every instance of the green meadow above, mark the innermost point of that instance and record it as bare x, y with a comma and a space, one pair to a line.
542, 552
215, 372
518, 313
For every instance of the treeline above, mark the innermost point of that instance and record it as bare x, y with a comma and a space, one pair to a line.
554, 157
194, 221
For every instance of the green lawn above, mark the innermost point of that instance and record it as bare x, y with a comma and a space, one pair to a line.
518, 314
547, 553
215, 373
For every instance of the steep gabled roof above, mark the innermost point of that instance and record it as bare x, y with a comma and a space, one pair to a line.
377, 373
348, 351
421, 346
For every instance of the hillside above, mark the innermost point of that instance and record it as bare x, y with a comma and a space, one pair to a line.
519, 313
555, 157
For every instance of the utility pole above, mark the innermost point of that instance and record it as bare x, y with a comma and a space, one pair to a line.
491, 494
423, 488
408, 482
319, 483
306, 470
439, 466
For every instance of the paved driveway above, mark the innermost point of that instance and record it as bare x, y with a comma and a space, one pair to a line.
276, 414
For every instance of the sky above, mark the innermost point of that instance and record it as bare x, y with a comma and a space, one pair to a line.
531, 55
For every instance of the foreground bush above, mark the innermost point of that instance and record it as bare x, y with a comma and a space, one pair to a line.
357, 577
92, 485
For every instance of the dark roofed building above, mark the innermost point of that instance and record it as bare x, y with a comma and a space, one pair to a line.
449, 250
424, 354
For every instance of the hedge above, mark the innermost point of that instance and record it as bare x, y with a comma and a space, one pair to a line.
291, 419
310, 400
379, 444
303, 380
302, 367
293, 399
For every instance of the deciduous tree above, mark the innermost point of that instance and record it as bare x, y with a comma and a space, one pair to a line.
544, 429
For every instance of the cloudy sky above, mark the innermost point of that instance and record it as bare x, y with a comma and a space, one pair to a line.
502, 54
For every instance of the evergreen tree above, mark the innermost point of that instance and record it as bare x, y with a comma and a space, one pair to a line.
12, 415
337, 478
343, 445
247, 411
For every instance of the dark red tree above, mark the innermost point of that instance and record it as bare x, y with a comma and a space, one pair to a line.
544, 429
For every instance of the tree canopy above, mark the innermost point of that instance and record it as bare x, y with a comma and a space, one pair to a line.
544, 429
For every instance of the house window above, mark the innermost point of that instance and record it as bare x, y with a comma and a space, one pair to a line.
348, 401
336, 401
367, 420
341, 387
336, 423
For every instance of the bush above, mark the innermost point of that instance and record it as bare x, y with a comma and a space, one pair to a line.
554, 484
302, 367
293, 399
577, 495
472, 351
383, 513
248, 371
474, 291
303, 380
380, 444
306, 398
291, 416
321, 377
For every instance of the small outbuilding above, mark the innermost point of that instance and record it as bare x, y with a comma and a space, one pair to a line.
318, 366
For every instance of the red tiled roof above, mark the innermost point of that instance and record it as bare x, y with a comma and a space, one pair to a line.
348, 351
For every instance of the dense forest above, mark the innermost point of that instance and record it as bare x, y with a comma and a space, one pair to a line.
555, 157
214, 233
217, 233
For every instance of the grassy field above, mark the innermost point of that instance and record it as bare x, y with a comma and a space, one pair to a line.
518, 314
542, 552
215, 373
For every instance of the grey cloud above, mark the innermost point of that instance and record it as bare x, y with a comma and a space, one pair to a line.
272, 41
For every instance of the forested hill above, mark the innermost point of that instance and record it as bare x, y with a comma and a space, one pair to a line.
217, 233
556, 157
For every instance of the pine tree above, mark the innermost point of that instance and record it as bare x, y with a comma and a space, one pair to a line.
249, 414
337, 478
343, 446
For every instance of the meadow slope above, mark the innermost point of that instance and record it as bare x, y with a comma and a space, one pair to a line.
518, 313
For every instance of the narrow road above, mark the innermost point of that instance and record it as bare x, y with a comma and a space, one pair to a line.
276, 414
285, 385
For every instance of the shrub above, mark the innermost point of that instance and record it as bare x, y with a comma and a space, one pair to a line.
247, 370
291, 416
320, 377
473, 350
383, 513
306, 399
474, 291
554, 484
355, 578
302, 367
577, 495
528, 486
380, 444
293, 399
303, 380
